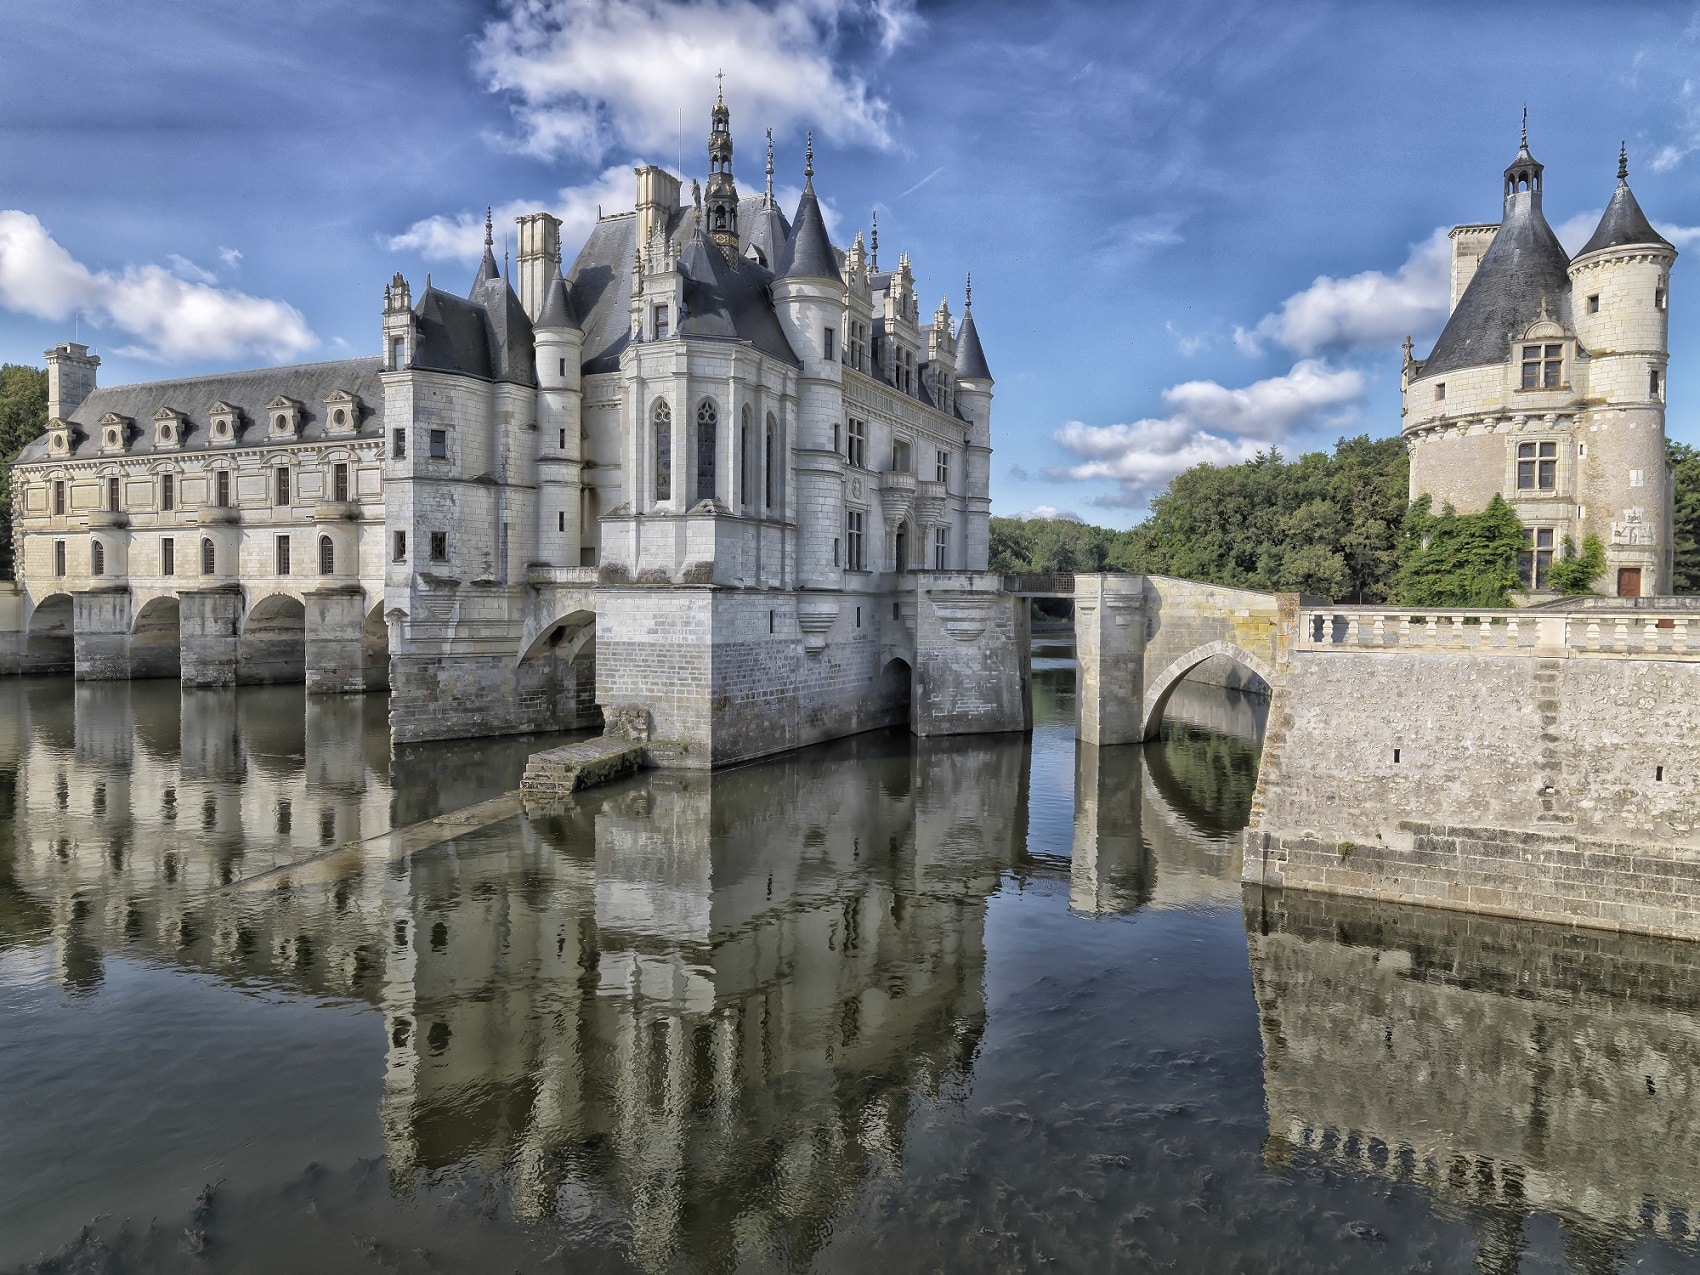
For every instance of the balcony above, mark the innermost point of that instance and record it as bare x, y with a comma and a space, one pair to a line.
336, 511
217, 515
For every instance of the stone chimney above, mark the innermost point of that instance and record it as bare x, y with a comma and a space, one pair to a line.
70, 377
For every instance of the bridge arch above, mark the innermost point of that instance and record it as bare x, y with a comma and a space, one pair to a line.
49, 636
1160, 687
156, 638
272, 645
557, 670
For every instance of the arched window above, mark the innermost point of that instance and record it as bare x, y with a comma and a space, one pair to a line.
97, 558
772, 455
662, 416
707, 419
746, 470
207, 557
327, 556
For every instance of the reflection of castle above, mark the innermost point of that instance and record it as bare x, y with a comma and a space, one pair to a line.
1505, 1066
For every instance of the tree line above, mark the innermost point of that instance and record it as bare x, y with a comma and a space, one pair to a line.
1337, 526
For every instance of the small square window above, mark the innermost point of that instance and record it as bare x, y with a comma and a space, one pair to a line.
1439, 390
1594, 304
439, 444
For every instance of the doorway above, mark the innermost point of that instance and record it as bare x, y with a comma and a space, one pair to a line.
1629, 582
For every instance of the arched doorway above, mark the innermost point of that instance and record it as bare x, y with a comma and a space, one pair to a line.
558, 673
375, 649
156, 640
49, 644
273, 643
894, 690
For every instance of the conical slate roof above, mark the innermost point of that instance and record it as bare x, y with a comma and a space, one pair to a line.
1524, 271
486, 272
1624, 223
970, 358
557, 309
808, 252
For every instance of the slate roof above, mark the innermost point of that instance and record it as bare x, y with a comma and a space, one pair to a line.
728, 301
451, 335
970, 358
1524, 268
808, 252
558, 310
1623, 223
766, 230
308, 383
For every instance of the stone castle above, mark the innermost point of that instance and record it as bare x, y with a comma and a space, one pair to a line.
718, 470
1547, 385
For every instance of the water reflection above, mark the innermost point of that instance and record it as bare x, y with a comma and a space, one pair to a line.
1507, 1067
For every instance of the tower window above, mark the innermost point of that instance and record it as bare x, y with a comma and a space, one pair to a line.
400, 552
1658, 298
941, 548
1594, 304
1541, 366
1537, 466
854, 522
399, 450
439, 546
339, 482
1439, 390
661, 419
221, 489
112, 490
1653, 382
829, 346
439, 444
168, 557
707, 421
327, 556
281, 554
563, 368
1534, 563
563, 445
941, 469
97, 558
58, 557
560, 520
856, 451
167, 491
660, 323
208, 560
398, 353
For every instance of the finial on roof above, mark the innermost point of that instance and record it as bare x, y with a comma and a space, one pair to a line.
968, 294
874, 245
809, 160
1525, 141
489, 236
720, 92
1409, 344
1623, 161
770, 167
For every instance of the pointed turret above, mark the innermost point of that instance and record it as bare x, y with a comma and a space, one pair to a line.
487, 267
720, 201
970, 358
1523, 269
808, 253
557, 309
1623, 223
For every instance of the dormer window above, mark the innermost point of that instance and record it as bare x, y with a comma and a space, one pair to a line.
1542, 365
225, 423
168, 429
342, 413
660, 317
59, 438
114, 432
285, 416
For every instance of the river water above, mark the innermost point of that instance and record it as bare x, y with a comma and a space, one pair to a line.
980, 1004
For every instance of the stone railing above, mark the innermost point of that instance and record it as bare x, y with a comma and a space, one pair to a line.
1591, 630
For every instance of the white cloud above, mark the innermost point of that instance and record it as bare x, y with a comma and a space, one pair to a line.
1048, 513
183, 268
1209, 424
1680, 236
461, 237
583, 75
1371, 308
232, 257
173, 319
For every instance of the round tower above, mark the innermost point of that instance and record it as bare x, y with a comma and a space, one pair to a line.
1620, 289
560, 454
974, 402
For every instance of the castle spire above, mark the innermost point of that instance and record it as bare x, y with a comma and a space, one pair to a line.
809, 162
874, 246
487, 267
721, 198
770, 168
968, 293
1623, 161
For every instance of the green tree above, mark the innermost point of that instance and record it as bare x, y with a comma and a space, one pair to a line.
23, 418
1454, 559
1685, 528
1573, 574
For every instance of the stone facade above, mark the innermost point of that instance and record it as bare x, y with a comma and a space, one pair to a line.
1547, 386
716, 468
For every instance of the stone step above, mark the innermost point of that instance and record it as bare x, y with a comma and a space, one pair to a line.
559, 771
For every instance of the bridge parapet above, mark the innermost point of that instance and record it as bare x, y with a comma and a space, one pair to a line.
1589, 630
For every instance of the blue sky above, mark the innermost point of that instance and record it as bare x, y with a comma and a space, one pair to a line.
1195, 230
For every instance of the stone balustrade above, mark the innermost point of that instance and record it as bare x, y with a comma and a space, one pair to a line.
1594, 629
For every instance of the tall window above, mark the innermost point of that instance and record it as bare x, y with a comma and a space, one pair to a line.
858, 345
1537, 466
941, 468
902, 457
829, 344
1541, 366
168, 557
707, 419
661, 419
280, 487
112, 493
854, 523
398, 351
400, 553
439, 444
772, 455
856, 449
1535, 561
746, 467
58, 557
1653, 380
59, 497
439, 546
660, 323
221, 485
97, 558
941, 548
207, 559
168, 491
281, 553
339, 482
399, 450
327, 556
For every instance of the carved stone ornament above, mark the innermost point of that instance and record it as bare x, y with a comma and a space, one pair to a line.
964, 616
815, 617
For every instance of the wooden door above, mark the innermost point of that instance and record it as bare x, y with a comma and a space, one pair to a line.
1629, 582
